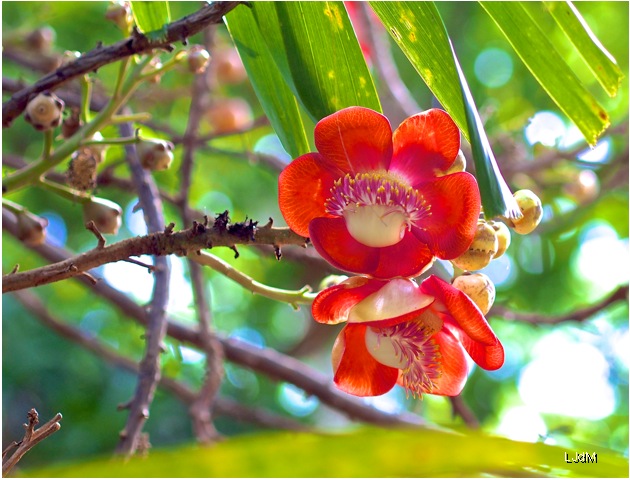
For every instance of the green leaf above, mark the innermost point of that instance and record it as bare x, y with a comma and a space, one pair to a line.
276, 98
315, 48
418, 29
496, 197
151, 17
370, 452
547, 65
599, 61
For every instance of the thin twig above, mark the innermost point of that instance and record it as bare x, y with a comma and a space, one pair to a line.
276, 365
183, 392
150, 368
91, 226
201, 408
621, 293
157, 243
177, 31
461, 409
31, 438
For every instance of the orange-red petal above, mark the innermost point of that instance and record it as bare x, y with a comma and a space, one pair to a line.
424, 143
333, 305
356, 371
330, 237
450, 227
466, 322
354, 140
303, 187
453, 366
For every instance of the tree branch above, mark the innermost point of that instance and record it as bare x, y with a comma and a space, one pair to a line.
577, 316
198, 237
31, 438
187, 395
150, 367
268, 361
178, 31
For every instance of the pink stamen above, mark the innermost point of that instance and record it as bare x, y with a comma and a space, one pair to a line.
365, 189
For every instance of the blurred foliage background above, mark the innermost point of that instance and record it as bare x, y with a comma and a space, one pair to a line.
565, 380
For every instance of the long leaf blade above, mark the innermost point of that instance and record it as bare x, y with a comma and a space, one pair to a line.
549, 68
598, 59
276, 98
324, 58
418, 29
151, 17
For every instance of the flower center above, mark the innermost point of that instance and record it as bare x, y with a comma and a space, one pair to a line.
409, 347
377, 208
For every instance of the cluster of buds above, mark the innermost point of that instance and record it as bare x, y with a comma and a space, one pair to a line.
491, 241
44, 111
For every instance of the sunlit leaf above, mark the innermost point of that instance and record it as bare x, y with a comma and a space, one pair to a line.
276, 98
151, 17
419, 31
598, 59
319, 55
549, 68
366, 453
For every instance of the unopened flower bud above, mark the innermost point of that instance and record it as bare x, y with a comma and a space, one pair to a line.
120, 14
69, 56
479, 289
481, 251
230, 114
41, 39
584, 187
459, 165
198, 59
44, 111
81, 172
31, 228
228, 66
155, 154
531, 208
504, 237
105, 214
154, 64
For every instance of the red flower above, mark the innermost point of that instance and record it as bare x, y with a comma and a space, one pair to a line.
374, 202
399, 332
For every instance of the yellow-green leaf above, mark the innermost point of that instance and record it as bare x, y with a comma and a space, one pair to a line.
316, 49
276, 98
532, 45
369, 452
151, 17
599, 61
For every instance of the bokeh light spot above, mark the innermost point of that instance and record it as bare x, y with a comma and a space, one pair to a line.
295, 401
545, 128
567, 378
493, 67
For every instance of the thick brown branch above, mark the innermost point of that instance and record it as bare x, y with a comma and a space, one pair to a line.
136, 44
275, 364
198, 237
